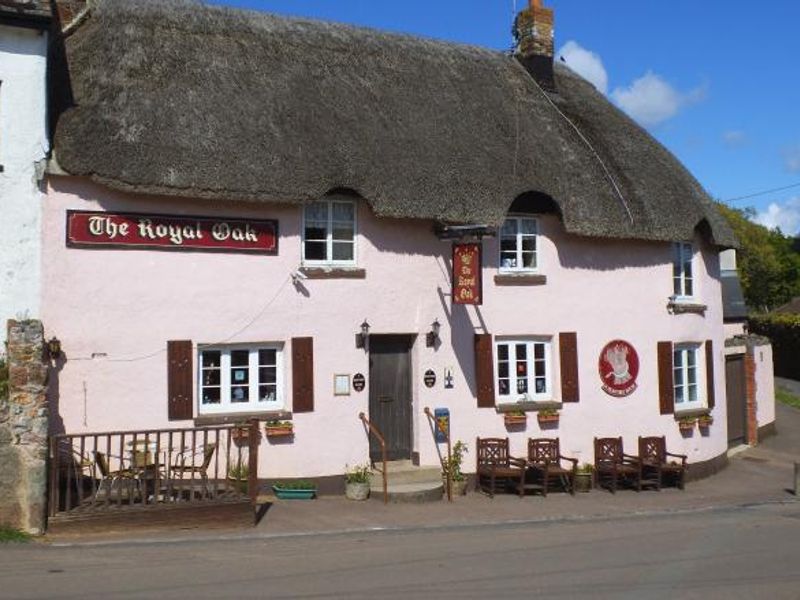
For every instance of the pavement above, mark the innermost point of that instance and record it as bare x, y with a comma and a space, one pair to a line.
758, 476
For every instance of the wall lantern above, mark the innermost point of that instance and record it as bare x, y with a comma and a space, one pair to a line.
361, 338
54, 348
433, 335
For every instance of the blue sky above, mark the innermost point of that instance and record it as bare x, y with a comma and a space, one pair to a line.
716, 81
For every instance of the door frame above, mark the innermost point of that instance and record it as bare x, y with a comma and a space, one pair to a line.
744, 409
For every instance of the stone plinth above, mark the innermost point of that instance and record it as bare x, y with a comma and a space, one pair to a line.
23, 430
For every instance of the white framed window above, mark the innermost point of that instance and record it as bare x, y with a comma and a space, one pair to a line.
240, 378
686, 377
523, 370
329, 232
682, 271
518, 244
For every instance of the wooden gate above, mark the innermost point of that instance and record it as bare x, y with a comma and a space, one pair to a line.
735, 392
390, 394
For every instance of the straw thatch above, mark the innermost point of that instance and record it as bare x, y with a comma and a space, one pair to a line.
179, 98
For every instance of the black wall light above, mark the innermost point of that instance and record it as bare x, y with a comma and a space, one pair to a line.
361, 338
432, 337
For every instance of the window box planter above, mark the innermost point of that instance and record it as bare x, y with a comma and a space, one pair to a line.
278, 429
548, 417
295, 491
705, 421
686, 424
514, 419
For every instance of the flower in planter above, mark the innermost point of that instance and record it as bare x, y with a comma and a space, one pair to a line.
547, 415
686, 423
705, 420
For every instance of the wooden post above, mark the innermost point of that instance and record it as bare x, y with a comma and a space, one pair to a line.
252, 462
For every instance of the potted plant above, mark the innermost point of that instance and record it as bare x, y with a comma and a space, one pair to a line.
239, 475
547, 415
515, 417
705, 421
295, 490
240, 434
686, 424
356, 482
277, 428
583, 477
457, 477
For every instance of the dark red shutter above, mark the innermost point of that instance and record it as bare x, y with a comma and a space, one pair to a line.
710, 373
568, 352
303, 374
484, 370
180, 383
666, 389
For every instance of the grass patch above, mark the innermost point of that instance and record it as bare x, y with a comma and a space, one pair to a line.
8, 535
787, 398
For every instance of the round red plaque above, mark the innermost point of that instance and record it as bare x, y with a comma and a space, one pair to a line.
619, 368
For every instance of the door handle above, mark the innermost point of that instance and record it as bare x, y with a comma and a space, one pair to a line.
385, 399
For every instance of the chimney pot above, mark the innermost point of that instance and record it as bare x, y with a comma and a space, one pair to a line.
533, 31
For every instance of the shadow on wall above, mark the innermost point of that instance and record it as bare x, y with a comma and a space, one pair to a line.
56, 426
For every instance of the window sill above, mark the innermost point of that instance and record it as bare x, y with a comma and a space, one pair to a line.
233, 418
323, 272
531, 406
691, 412
520, 279
678, 307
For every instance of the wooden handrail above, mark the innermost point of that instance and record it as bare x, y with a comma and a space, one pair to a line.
445, 469
376, 432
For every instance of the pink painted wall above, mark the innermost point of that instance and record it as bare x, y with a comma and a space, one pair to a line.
765, 385
125, 305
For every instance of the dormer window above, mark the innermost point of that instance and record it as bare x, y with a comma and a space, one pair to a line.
682, 272
518, 250
329, 233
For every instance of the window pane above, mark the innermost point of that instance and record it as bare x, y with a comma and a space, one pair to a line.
211, 396
240, 358
344, 211
539, 368
508, 260
691, 358
509, 228
541, 385
528, 226
522, 368
677, 358
267, 357
343, 232
692, 393
529, 244
342, 251
267, 393
502, 369
679, 395
318, 211
315, 250
211, 358
502, 351
522, 351
316, 232
678, 377
240, 394
688, 287
692, 375
211, 377
267, 375
677, 286
529, 260
522, 386
538, 351
503, 387
508, 245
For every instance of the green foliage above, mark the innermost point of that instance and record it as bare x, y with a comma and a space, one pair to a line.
457, 453
8, 534
768, 261
783, 330
3, 379
300, 484
787, 398
274, 424
239, 472
358, 474
548, 412
585, 468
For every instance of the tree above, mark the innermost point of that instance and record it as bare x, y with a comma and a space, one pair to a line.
768, 261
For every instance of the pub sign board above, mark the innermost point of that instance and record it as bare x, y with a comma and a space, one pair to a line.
88, 229
619, 367
467, 284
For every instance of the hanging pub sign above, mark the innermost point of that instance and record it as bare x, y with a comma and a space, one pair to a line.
619, 368
429, 378
467, 284
168, 232
359, 382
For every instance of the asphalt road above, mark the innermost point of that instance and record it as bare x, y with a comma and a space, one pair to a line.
731, 553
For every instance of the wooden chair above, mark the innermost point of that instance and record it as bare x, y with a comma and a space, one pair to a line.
544, 457
184, 466
613, 466
656, 464
496, 466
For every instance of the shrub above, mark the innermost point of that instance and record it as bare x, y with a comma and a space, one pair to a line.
358, 474
457, 453
300, 484
784, 332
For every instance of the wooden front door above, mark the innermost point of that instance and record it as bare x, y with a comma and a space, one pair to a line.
736, 399
390, 394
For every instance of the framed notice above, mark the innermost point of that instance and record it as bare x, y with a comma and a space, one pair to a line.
341, 385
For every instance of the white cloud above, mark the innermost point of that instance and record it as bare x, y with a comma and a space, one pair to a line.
791, 157
785, 216
734, 138
650, 100
585, 63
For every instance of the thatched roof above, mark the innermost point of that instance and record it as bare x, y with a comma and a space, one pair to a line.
179, 98
25, 11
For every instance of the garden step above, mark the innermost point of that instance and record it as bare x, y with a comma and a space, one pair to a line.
410, 493
407, 475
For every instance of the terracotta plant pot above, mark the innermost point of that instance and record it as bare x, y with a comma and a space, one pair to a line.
546, 419
686, 427
515, 419
279, 431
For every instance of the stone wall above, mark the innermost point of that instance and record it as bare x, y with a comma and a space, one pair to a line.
23, 430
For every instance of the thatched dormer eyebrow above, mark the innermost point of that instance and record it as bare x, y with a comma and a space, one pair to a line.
177, 98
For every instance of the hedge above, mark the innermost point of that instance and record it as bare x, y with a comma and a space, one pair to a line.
784, 332
3, 379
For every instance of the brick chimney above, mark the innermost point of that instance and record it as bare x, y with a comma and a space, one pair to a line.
533, 32
67, 12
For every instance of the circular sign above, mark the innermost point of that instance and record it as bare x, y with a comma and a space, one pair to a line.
359, 382
430, 378
619, 368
